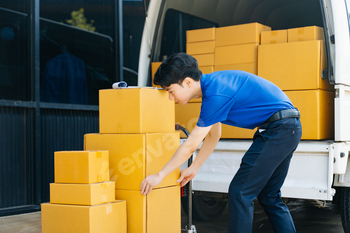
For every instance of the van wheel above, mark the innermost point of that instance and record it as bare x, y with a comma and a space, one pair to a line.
204, 209
345, 208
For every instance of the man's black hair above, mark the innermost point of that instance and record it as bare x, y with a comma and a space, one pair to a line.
175, 69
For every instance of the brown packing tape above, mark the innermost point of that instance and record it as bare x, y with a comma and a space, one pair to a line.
99, 178
301, 31
273, 42
104, 185
99, 154
274, 33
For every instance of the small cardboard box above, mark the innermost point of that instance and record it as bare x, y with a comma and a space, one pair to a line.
206, 69
135, 156
159, 211
187, 116
305, 34
205, 59
316, 113
294, 66
207, 34
81, 167
82, 194
239, 34
236, 54
136, 110
106, 218
247, 67
274, 37
154, 68
200, 47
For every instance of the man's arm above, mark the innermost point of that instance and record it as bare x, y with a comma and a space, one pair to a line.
209, 144
185, 150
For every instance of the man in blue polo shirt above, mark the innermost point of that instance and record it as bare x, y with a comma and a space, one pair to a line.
244, 100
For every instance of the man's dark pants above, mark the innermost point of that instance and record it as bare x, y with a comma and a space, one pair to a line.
262, 172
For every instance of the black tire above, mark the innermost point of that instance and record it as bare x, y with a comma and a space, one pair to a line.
204, 209
345, 208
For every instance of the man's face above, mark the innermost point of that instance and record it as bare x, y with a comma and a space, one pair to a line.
179, 93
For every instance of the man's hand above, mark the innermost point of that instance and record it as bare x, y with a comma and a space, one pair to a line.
149, 183
187, 175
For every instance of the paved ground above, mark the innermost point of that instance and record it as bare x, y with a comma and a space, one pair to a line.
307, 217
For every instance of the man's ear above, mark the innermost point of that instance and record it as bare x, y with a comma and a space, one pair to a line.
188, 81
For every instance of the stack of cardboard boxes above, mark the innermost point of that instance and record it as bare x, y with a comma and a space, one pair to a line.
294, 59
225, 48
82, 199
137, 127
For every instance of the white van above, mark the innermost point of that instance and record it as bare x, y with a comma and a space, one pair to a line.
319, 169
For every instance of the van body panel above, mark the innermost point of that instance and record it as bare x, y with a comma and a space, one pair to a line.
314, 162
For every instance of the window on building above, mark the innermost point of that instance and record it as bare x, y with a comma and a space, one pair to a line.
14, 79
77, 56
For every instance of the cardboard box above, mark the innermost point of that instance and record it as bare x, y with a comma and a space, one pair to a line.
200, 35
154, 68
316, 113
187, 116
236, 54
106, 218
205, 59
239, 34
305, 34
295, 65
82, 194
200, 47
248, 67
81, 167
136, 110
274, 37
135, 156
159, 211
206, 69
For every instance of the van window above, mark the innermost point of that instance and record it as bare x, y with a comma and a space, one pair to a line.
175, 26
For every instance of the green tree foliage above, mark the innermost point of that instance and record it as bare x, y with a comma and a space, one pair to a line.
80, 21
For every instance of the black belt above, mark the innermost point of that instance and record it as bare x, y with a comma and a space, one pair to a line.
281, 114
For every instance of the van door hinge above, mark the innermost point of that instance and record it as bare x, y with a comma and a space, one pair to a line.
332, 39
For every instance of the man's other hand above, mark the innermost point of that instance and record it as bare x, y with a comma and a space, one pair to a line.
187, 175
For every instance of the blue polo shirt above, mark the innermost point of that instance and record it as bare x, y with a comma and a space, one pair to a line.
239, 99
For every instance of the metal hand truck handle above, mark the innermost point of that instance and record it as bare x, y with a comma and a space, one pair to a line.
190, 228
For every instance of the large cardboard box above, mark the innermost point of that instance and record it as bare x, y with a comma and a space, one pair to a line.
305, 33
81, 167
206, 69
82, 194
135, 156
136, 110
106, 218
187, 116
274, 37
239, 34
316, 113
200, 47
248, 67
154, 68
294, 66
236, 54
205, 59
159, 211
207, 34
